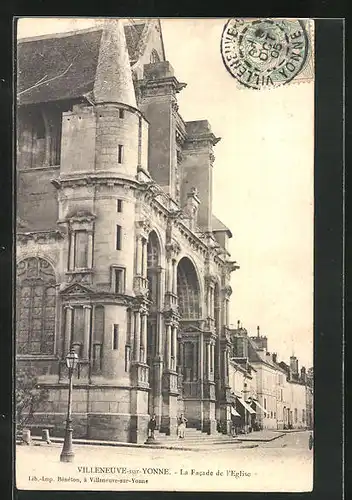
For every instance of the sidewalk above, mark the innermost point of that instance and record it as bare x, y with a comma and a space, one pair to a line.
289, 431
261, 436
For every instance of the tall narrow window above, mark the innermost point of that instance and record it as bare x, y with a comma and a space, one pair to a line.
121, 113
81, 249
119, 280
115, 337
119, 205
120, 153
118, 237
78, 328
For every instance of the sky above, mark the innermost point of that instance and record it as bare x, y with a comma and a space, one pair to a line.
263, 179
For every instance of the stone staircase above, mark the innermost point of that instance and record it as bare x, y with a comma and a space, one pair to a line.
194, 438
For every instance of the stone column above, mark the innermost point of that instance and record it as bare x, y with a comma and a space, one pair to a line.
212, 302
208, 360
158, 336
174, 277
212, 360
168, 346
143, 358
68, 330
195, 366
137, 335
174, 347
90, 250
72, 251
144, 258
182, 361
86, 338
138, 255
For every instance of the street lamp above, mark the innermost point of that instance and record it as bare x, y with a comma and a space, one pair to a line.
67, 454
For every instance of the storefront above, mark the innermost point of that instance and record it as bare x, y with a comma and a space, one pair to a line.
247, 416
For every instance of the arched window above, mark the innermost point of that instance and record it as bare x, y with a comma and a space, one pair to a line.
154, 57
36, 305
188, 290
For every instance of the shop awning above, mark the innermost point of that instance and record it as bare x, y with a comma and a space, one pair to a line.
234, 412
260, 406
246, 406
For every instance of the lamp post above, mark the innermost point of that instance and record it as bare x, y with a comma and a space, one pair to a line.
67, 454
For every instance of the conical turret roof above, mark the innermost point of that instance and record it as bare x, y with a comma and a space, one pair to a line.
113, 80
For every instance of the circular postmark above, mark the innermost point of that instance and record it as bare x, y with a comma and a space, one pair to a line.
264, 53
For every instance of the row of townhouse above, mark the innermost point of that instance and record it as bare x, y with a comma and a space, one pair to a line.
266, 393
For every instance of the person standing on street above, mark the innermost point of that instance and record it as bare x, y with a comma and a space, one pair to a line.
182, 421
152, 426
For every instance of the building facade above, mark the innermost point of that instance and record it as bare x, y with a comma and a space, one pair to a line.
283, 394
119, 255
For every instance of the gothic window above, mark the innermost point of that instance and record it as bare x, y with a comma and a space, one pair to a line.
36, 305
188, 290
154, 57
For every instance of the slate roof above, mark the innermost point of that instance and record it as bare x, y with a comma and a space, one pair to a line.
67, 62
217, 225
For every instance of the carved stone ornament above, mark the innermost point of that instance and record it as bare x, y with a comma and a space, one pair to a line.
144, 227
81, 216
172, 249
76, 289
229, 267
40, 236
210, 280
174, 106
227, 291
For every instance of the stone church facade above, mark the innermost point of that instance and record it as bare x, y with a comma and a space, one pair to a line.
119, 255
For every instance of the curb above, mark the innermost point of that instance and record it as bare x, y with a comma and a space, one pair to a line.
37, 441
263, 440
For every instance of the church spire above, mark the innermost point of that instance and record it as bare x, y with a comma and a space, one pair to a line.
113, 80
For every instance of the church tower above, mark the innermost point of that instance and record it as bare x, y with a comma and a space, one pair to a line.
105, 306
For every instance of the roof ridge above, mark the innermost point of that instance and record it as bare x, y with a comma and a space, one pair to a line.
63, 34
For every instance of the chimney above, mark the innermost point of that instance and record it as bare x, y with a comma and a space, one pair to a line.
238, 324
258, 332
274, 357
294, 365
303, 375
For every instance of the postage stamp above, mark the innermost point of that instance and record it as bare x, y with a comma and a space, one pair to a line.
265, 53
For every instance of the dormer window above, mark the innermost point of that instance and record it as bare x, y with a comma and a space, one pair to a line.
38, 136
121, 113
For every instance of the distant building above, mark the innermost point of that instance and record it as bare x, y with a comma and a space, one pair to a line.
283, 393
295, 394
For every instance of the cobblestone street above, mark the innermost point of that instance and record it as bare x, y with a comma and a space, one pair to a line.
266, 467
